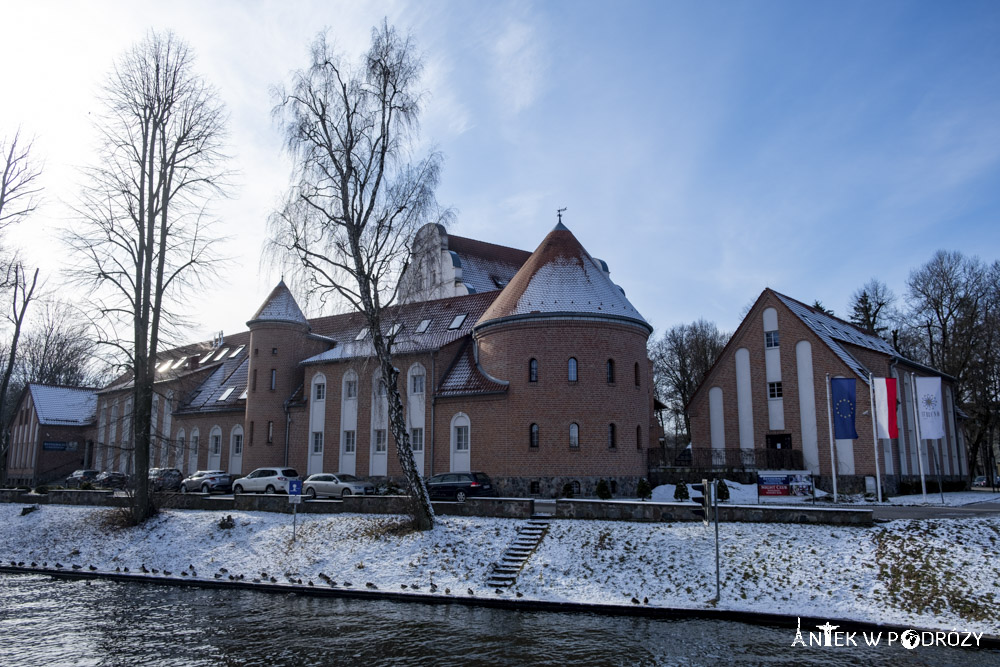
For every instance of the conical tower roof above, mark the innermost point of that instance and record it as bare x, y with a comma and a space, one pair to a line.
280, 306
561, 279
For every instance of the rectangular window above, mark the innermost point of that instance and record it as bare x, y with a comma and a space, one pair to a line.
351, 389
317, 442
274, 379
251, 433
253, 381
417, 439
380, 441
612, 439
270, 432
461, 438
417, 383
774, 390
770, 339
216, 444
320, 392
237, 443
350, 442
274, 351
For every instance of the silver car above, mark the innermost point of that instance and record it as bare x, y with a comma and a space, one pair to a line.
327, 484
207, 481
267, 480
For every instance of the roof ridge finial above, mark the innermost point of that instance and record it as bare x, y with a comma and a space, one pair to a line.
559, 223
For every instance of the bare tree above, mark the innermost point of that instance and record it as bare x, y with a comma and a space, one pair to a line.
22, 295
872, 307
145, 235
19, 187
681, 359
357, 198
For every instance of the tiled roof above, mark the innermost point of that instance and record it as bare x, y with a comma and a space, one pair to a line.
441, 313
466, 377
280, 306
485, 266
64, 406
223, 389
562, 279
833, 331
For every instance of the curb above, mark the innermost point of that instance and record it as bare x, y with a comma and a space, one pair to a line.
672, 613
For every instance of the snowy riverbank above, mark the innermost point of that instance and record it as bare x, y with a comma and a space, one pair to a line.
929, 573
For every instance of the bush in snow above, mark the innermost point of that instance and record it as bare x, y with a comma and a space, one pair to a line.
723, 490
643, 489
227, 523
603, 490
41, 490
567, 490
681, 492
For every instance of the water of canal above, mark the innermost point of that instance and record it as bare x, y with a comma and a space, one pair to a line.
45, 621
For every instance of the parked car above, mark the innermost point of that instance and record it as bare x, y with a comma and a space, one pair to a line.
459, 485
266, 480
207, 481
979, 481
80, 477
111, 479
327, 484
165, 479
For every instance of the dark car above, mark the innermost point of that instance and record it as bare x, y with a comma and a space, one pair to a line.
165, 479
208, 481
459, 485
111, 479
81, 477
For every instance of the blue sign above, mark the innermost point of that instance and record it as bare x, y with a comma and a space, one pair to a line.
295, 487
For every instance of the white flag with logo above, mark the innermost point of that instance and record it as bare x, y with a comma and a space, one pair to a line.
930, 408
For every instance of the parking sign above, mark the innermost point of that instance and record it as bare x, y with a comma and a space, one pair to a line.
295, 491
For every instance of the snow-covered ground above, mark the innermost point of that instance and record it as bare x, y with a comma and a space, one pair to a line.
929, 573
746, 494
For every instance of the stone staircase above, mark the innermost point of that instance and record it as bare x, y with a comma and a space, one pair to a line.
529, 536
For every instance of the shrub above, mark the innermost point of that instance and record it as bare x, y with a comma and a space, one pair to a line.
227, 523
41, 490
603, 490
86, 486
723, 490
643, 490
681, 492
567, 490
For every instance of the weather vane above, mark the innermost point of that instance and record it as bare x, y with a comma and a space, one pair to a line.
559, 212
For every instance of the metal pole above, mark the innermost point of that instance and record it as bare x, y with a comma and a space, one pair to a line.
715, 505
295, 520
939, 463
829, 422
916, 425
871, 401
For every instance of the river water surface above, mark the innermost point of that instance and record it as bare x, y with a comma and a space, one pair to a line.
46, 621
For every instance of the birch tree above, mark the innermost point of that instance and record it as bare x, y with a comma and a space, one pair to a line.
358, 196
144, 235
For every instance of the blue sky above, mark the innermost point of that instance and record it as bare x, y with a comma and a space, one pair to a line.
704, 150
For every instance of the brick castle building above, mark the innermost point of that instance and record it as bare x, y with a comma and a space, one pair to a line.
531, 367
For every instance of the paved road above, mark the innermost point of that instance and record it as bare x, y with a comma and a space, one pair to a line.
932, 512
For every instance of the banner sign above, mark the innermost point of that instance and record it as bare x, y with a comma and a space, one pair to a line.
772, 483
54, 446
929, 408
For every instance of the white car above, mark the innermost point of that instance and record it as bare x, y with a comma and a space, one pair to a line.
266, 480
327, 484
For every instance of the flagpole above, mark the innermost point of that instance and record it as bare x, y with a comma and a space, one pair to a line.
916, 420
829, 421
871, 401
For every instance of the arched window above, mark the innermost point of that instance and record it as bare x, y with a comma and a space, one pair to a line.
576, 487
574, 435
571, 369
611, 371
533, 435
533, 370
350, 389
417, 379
236, 440
638, 437
612, 442
215, 440
638, 380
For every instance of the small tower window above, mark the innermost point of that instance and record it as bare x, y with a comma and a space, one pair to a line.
574, 435
533, 436
611, 371
638, 378
571, 369
638, 437
533, 370
612, 440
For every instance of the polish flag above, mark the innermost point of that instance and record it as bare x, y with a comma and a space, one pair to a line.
885, 407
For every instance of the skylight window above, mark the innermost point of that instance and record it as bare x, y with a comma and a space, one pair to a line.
422, 327
222, 354
237, 351
457, 321
362, 334
395, 329
164, 366
207, 357
243, 396
179, 363
226, 393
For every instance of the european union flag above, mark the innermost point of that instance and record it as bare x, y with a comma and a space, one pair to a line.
843, 408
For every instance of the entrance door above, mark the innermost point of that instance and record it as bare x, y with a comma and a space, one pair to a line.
236, 451
316, 447
461, 445
215, 449
348, 453
380, 447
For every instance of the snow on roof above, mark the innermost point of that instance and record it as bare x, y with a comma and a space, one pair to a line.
562, 279
486, 266
64, 406
280, 306
465, 376
223, 389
